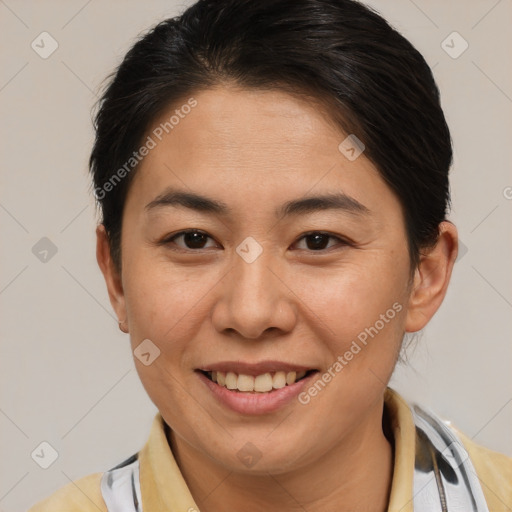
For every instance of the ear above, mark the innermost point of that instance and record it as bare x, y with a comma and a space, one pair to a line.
431, 278
112, 278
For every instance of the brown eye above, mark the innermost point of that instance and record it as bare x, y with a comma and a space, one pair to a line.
192, 239
318, 241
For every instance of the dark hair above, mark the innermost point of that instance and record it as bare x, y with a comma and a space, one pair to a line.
372, 81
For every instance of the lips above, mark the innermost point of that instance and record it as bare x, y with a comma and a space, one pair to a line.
254, 389
260, 377
254, 369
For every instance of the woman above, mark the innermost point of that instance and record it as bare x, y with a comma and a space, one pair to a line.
273, 182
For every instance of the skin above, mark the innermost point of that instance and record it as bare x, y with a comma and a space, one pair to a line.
255, 150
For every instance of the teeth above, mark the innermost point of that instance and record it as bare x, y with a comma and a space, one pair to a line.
263, 383
231, 380
220, 378
259, 384
245, 383
290, 377
279, 380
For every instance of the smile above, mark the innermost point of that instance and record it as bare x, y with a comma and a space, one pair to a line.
263, 383
254, 389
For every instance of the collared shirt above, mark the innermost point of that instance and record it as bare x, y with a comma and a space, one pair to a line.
160, 486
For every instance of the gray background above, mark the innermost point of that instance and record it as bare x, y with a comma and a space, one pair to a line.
67, 375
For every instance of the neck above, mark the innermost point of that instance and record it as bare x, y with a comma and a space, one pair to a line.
355, 474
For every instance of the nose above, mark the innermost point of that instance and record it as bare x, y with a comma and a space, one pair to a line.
255, 300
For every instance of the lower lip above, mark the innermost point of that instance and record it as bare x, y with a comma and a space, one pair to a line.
256, 403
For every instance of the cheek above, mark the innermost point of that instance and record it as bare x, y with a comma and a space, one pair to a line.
353, 296
364, 309
364, 337
164, 303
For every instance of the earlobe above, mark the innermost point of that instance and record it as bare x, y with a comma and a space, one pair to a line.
431, 278
111, 275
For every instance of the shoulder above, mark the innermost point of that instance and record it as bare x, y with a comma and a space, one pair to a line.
494, 470
83, 495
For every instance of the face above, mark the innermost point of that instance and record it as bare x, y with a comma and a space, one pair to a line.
259, 282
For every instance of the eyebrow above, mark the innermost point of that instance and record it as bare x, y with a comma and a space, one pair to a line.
309, 204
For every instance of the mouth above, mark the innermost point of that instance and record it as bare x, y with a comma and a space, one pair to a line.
257, 388
262, 383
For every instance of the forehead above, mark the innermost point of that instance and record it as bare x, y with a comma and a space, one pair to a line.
264, 142
230, 122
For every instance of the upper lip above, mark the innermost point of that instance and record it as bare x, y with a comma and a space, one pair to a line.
254, 369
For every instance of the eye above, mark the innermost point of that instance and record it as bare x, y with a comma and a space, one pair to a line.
317, 240
194, 239
191, 238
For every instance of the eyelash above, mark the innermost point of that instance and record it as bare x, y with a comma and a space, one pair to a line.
169, 240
